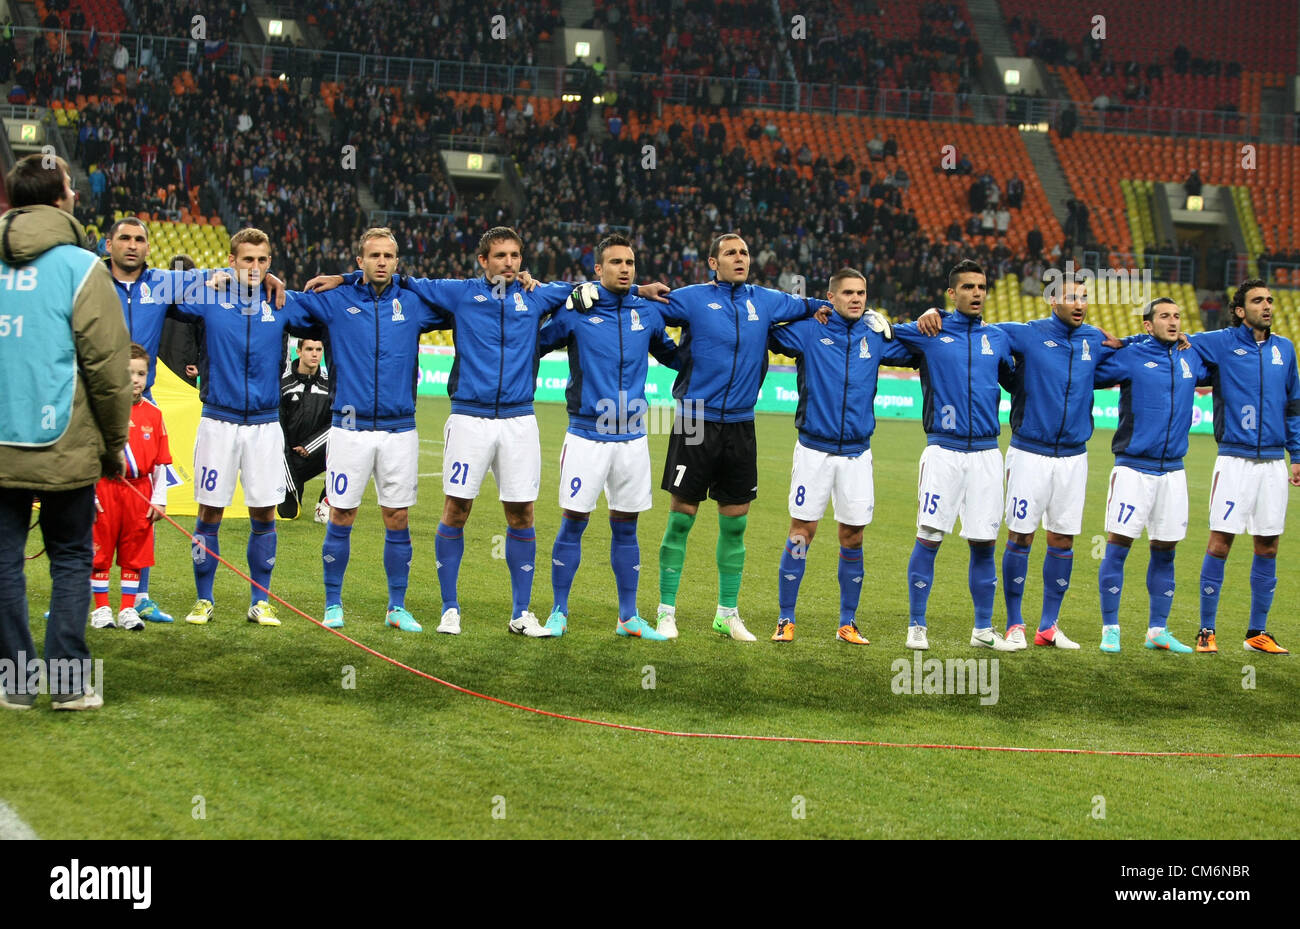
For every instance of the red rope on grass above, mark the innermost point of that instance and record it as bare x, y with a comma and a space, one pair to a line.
707, 735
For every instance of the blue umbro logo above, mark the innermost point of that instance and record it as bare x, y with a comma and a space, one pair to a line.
354, 310
946, 338
1151, 364
1239, 351
1050, 344
594, 320
828, 341
715, 306
480, 298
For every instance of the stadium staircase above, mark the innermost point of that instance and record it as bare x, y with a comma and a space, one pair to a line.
990, 28
1048, 167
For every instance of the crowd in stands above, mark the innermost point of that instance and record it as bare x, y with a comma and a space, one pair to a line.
451, 30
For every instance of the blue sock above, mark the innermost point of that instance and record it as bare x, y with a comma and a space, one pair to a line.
1056, 581
1211, 585
1110, 580
521, 553
793, 561
1160, 585
1263, 581
397, 564
983, 579
1015, 568
262, 539
920, 578
566, 555
334, 552
205, 565
850, 583
143, 590
625, 559
448, 550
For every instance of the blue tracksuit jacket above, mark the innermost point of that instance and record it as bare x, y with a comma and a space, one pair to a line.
1256, 392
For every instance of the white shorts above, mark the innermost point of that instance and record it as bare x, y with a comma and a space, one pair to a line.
225, 450
1157, 502
1046, 489
509, 448
816, 477
960, 484
621, 469
1249, 496
353, 456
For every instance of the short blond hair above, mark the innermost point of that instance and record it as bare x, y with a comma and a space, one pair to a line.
375, 232
248, 236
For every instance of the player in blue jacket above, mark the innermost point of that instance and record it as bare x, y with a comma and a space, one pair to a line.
492, 426
146, 294
239, 431
1256, 421
725, 325
606, 446
374, 327
837, 365
1148, 486
961, 467
1047, 464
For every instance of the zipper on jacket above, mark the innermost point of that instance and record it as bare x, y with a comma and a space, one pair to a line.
1173, 406
1259, 417
844, 400
1069, 379
618, 317
970, 382
735, 320
248, 354
374, 423
501, 363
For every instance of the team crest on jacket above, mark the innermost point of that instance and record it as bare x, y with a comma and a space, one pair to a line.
985, 347
753, 313
1087, 353
1277, 356
266, 313
520, 306
144, 292
397, 311
637, 327
1187, 372
864, 350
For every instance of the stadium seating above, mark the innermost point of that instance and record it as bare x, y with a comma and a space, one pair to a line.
1261, 33
1094, 163
1112, 304
207, 243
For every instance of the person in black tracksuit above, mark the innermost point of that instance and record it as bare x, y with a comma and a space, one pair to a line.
305, 419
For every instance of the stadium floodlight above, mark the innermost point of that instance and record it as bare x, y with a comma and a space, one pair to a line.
598, 99
1011, 77
1196, 203
581, 49
275, 28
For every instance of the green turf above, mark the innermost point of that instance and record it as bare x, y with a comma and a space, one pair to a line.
257, 722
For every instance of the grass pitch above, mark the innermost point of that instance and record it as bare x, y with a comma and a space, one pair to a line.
233, 730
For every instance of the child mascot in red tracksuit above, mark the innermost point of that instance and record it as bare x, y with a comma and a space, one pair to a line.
124, 521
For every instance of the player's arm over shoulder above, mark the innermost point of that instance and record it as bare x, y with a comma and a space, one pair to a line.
787, 338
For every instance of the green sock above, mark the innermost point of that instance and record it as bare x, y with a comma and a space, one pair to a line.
731, 557
672, 554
